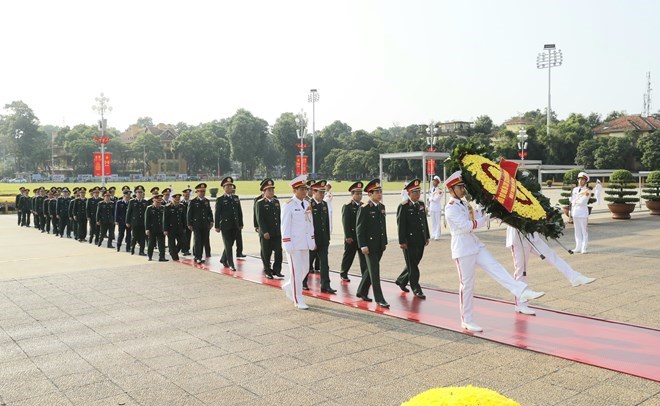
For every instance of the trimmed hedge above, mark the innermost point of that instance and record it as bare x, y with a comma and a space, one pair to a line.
621, 187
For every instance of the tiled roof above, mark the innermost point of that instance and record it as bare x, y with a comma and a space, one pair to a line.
628, 123
516, 120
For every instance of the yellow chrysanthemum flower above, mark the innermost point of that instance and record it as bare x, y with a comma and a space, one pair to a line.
460, 396
488, 173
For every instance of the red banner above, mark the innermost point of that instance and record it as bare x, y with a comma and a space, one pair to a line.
506, 190
301, 170
108, 163
430, 167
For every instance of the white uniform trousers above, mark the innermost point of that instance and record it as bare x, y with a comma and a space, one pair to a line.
522, 250
488, 263
581, 234
298, 268
436, 224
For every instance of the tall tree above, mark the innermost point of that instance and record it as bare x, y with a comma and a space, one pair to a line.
285, 139
145, 122
649, 147
19, 128
483, 124
147, 149
614, 114
247, 135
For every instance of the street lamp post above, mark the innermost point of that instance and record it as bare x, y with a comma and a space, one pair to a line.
522, 143
432, 132
18, 134
101, 107
313, 97
301, 132
549, 60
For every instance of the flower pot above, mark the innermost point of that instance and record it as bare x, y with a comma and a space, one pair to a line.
654, 206
621, 211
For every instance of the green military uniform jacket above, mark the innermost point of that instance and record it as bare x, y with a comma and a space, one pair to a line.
321, 218
105, 212
228, 213
349, 219
174, 218
199, 213
268, 217
412, 223
135, 212
153, 219
371, 229
92, 204
79, 208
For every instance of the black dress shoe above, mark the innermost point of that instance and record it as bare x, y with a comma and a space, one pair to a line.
305, 287
329, 290
383, 304
420, 295
225, 264
241, 256
345, 279
150, 259
232, 268
163, 259
278, 274
269, 274
364, 297
403, 287
142, 254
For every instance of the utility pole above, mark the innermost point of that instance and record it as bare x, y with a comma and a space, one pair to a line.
101, 107
313, 97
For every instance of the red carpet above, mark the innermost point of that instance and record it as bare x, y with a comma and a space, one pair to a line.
617, 346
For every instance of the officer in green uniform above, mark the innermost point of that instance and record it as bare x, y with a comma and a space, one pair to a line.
349, 220
228, 220
52, 210
38, 204
105, 219
79, 214
321, 220
267, 211
135, 219
90, 210
166, 197
174, 225
112, 191
46, 210
239, 235
153, 226
314, 265
185, 200
17, 206
24, 207
155, 191
62, 210
413, 237
372, 240
199, 219
72, 204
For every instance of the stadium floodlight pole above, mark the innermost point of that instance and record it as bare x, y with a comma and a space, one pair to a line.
101, 107
313, 97
549, 60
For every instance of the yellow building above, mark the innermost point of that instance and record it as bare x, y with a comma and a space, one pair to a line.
170, 164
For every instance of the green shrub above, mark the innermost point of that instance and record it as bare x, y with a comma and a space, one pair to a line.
652, 187
621, 188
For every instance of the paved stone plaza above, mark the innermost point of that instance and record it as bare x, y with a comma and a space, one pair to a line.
85, 325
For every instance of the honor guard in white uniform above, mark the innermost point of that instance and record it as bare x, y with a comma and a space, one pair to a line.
435, 208
468, 252
580, 212
522, 247
297, 239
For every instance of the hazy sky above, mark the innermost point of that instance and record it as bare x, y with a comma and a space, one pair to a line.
374, 62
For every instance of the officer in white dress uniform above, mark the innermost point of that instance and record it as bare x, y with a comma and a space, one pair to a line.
328, 199
522, 249
580, 212
468, 252
435, 207
297, 239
